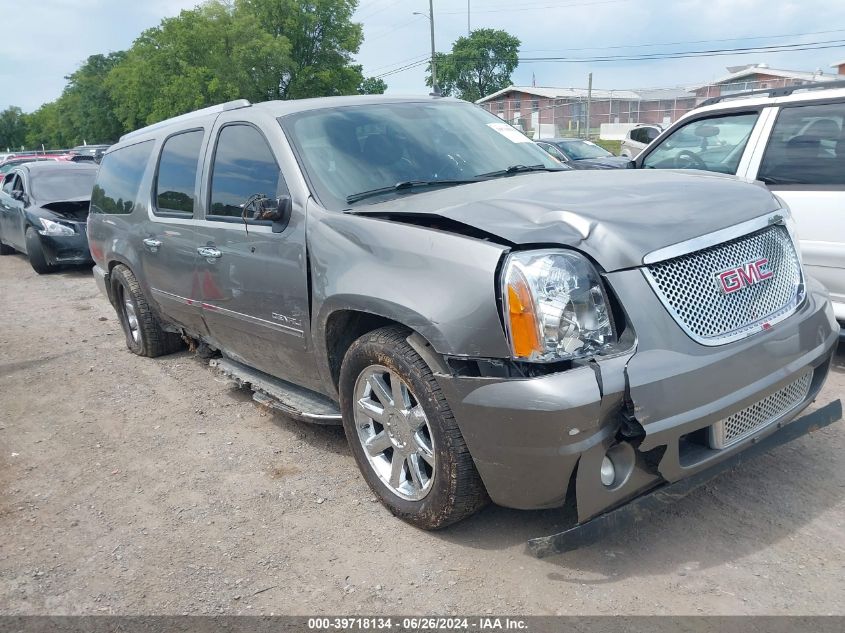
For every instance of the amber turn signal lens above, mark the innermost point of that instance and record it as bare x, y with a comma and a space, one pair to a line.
525, 339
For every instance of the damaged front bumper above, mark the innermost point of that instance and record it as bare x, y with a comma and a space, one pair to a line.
535, 440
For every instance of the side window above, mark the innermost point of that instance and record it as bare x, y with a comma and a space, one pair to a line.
243, 167
651, 133
637, 135
713, 144
175, 189
807, 147
9, 183
119, 179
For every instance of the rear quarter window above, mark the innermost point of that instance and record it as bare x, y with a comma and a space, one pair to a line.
119, 179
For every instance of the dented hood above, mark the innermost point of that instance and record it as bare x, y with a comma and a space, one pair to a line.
614, 216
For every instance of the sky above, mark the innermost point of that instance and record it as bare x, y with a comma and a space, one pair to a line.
45, 40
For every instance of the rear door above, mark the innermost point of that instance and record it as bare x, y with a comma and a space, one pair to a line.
169, 234
804, 163
254, 280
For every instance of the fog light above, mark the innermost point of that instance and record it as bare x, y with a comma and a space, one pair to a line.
608, 472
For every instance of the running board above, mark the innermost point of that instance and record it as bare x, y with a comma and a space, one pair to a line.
292, 400
626, 516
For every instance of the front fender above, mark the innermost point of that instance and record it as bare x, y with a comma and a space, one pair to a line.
439, 284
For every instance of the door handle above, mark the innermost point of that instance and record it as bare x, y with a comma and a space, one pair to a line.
209, 252
152, 244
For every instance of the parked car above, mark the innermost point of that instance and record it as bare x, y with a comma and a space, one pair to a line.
484, 324
9, 163
637, 138
790, 139
43, 212
82, 153
583, 154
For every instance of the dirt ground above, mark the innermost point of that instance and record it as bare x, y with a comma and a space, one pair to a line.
130, 485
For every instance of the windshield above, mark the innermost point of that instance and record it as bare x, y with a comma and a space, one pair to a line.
348, 150
714, 144
63, 185
578, 149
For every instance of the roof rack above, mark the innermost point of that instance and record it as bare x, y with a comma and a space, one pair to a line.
775, 92
215, 109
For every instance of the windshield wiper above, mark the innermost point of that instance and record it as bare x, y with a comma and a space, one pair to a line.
407, 185
518, 169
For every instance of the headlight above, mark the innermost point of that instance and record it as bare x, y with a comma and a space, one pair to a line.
54, 228
555, 306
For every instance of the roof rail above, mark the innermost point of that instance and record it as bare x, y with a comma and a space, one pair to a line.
775, 92
215, 109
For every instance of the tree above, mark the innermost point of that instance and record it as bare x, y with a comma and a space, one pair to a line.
12, 128
45, 127
372, 86
86, 106
478, 65
323, 40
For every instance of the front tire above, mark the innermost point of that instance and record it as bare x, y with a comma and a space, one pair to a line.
403, 434
144, 334
35, 252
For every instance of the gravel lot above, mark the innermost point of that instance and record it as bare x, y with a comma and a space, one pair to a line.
130, 485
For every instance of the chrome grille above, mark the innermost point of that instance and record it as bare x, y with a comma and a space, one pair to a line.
743, 423
688, 287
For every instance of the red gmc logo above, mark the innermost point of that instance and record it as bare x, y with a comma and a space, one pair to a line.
734, 279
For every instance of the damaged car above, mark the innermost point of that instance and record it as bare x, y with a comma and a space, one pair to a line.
484, 324
43, 213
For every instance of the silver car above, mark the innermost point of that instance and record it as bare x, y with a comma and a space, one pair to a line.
484, 324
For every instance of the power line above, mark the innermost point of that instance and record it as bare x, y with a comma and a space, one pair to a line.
535, 8
659, 56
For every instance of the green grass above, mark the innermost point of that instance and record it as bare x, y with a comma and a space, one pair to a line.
611, 146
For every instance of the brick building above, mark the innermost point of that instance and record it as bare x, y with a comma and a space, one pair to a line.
549, 111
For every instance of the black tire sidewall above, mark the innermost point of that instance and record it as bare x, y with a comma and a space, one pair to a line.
35, 252
121, 290
427, 511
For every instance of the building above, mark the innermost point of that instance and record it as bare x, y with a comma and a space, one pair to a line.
563, 111
547, 111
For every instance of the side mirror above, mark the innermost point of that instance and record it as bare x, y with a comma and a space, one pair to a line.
277, 211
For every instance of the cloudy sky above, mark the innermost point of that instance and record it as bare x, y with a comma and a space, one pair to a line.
44, 40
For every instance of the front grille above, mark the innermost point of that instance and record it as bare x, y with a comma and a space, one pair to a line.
688, 287
743, 423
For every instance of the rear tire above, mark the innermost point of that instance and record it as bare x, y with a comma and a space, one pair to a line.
416, 460
141, 326
35, 252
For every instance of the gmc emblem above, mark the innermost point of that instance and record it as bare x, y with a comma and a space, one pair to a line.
747, 274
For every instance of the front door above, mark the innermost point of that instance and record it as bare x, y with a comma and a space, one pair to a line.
11, 212
254, 281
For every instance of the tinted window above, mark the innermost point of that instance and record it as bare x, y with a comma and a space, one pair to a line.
651, 133
119, 179
807, 147
9, 184
637, 135
177, 173
714, 144
244, 166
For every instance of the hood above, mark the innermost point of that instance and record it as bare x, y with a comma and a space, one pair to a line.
75, 209
614, 216
608, 162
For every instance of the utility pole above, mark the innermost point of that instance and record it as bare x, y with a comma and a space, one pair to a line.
433, 63
469, 30
589, 101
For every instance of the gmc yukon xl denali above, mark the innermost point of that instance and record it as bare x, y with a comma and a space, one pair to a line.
484, 324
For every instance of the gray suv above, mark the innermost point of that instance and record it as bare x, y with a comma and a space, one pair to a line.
482, 323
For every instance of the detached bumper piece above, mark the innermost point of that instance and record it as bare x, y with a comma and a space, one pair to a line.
640, 508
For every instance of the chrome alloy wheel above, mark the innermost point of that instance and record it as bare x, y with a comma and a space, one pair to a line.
394, 432
131, 317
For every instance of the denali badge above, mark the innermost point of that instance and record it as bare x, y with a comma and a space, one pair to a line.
746, 274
